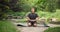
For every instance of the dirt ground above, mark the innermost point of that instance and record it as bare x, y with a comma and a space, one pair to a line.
39, 28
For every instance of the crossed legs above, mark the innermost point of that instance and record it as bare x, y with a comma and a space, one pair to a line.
32, 23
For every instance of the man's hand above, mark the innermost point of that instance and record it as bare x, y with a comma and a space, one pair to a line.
37, 18
27, 18
32, 20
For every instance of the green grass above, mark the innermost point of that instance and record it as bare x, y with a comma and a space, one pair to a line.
49, 14
55, 29
7, 26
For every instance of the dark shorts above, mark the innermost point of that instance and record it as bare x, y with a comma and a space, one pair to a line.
32, 22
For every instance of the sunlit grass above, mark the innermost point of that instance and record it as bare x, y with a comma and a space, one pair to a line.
55, 29
7, 26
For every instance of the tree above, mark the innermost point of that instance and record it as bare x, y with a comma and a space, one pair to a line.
46, 5
51, 6
5, 6
58, 4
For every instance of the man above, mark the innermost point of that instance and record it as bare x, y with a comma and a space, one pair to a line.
32, 18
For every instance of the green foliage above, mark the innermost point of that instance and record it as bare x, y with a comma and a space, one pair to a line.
55, 29
6, 26
5, 6
58, 4
42, 5
49, 14
23, 6
51, 6
3, 9
44, 14
48, 6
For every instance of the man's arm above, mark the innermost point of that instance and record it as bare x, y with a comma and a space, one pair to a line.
37, 17
27, 18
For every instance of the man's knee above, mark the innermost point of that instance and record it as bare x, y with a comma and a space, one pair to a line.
29, 24
35, 25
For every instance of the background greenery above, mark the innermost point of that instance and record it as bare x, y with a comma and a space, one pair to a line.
21, 7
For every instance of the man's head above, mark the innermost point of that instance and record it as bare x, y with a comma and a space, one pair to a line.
33, 10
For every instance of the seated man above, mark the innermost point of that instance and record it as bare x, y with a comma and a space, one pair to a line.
32, 18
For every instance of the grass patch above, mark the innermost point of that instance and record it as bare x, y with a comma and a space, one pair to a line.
55, 29
6, 26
